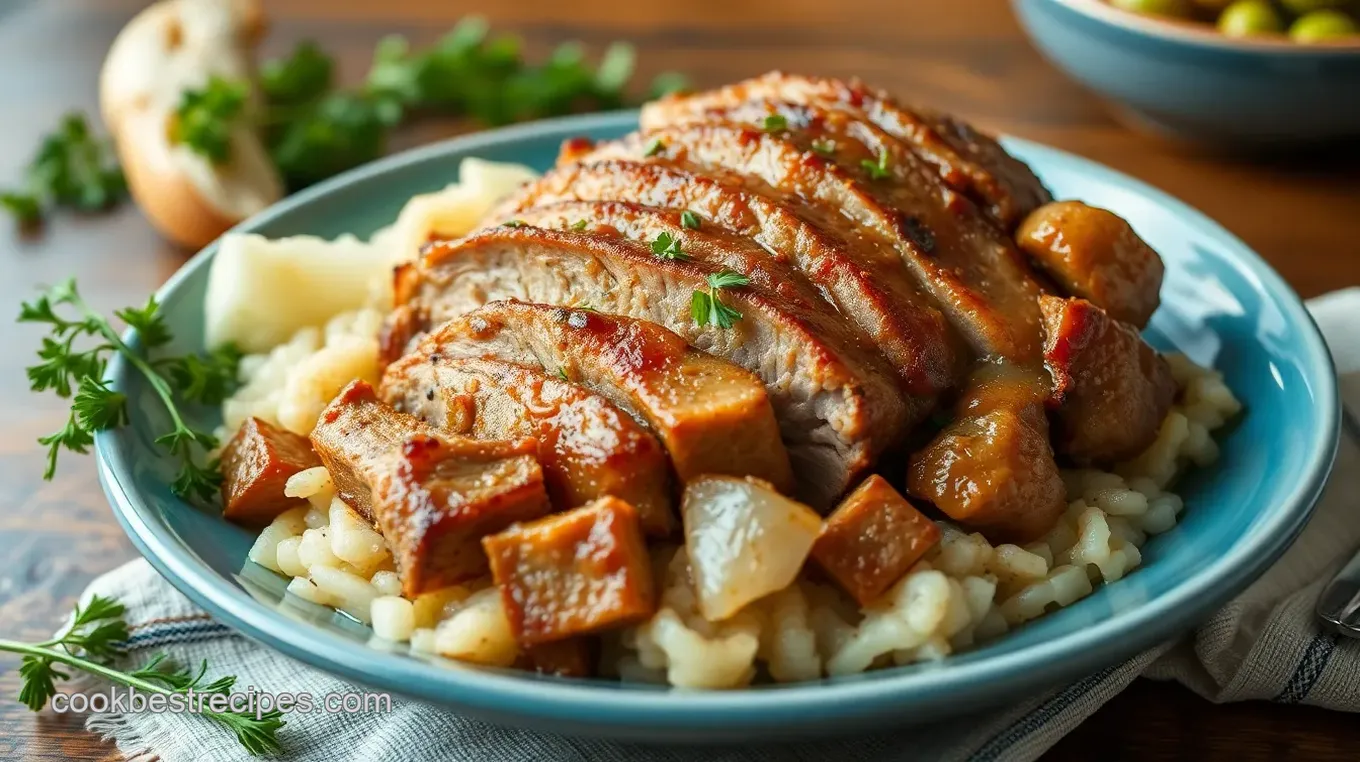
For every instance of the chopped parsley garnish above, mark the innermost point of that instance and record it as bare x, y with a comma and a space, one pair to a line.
689, 219
878, 170
655, 147
513, 224
824, 147
579, 226
707, 308
72, 168
775, 123
667, 246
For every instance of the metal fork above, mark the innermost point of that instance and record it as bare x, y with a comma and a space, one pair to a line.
1339, 605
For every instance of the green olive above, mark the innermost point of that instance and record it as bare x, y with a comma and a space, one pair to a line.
1300, 7
1320, 26
1249, 17
1172, 8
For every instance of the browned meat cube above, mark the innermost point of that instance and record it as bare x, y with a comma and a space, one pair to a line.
573, 573
1110, 388
256, 464
992, 467
432, 495
572, 657
1094, 254
872, 539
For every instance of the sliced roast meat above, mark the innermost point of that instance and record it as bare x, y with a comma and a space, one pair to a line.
867, 283
972, 270
970, 162
1110, 389
588, 447
838, 407
712, 416
664, 231
1094, 254
992, 468
432, 495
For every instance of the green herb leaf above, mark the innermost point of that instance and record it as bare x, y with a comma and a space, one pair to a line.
298, 79
824, 147
71, 168
775, 123
616, 68
513, 224
96, 635
579, 226
562, 374
667, 83
727, 279
877, 170
653, 148
338, 132
666, 246
707, 308
64, 369
204, 118
689, 220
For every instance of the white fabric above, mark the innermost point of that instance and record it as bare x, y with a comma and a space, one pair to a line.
1266, 644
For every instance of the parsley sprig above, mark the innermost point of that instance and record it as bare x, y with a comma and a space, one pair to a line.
96, 636
707, 308
77, 374
667, 246
205, 117
72, 168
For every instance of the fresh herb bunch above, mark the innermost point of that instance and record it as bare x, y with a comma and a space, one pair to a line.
72, 168
77, 374
205, 116
314, 132
97, 634
707, 308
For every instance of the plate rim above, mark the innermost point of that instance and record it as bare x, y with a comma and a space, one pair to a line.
927, 692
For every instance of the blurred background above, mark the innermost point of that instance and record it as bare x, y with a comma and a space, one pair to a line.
1293, 199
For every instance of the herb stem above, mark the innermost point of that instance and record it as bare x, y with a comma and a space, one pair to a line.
45, 651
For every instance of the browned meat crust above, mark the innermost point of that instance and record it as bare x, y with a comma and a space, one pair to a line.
1110, 389
432, 495
838, 406
573, 573
588, 447
256, 464
713, 416
872, 538
970, 269
970, 162
1094, 254
867, 283
992, 467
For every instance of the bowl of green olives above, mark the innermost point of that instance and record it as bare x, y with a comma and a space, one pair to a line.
1226, 72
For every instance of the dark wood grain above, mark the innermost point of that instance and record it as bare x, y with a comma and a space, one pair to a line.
966, 56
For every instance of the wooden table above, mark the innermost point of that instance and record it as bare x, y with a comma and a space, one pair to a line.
966, 56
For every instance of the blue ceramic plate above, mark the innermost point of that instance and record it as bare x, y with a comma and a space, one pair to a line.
1221, 304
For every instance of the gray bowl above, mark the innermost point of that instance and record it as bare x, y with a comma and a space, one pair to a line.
1191, 82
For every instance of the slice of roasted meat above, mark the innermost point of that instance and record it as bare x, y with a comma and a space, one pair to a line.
969, 161
872, 538
1110, 389
432, 495
1094, 254
966, 264
712, 416
867, 283
992, 468
587, 446
837, 403
573, 573
256, 464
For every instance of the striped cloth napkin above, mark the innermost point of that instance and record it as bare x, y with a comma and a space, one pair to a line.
1266, 644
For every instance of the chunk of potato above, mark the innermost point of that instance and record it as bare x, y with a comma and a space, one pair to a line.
745, 541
